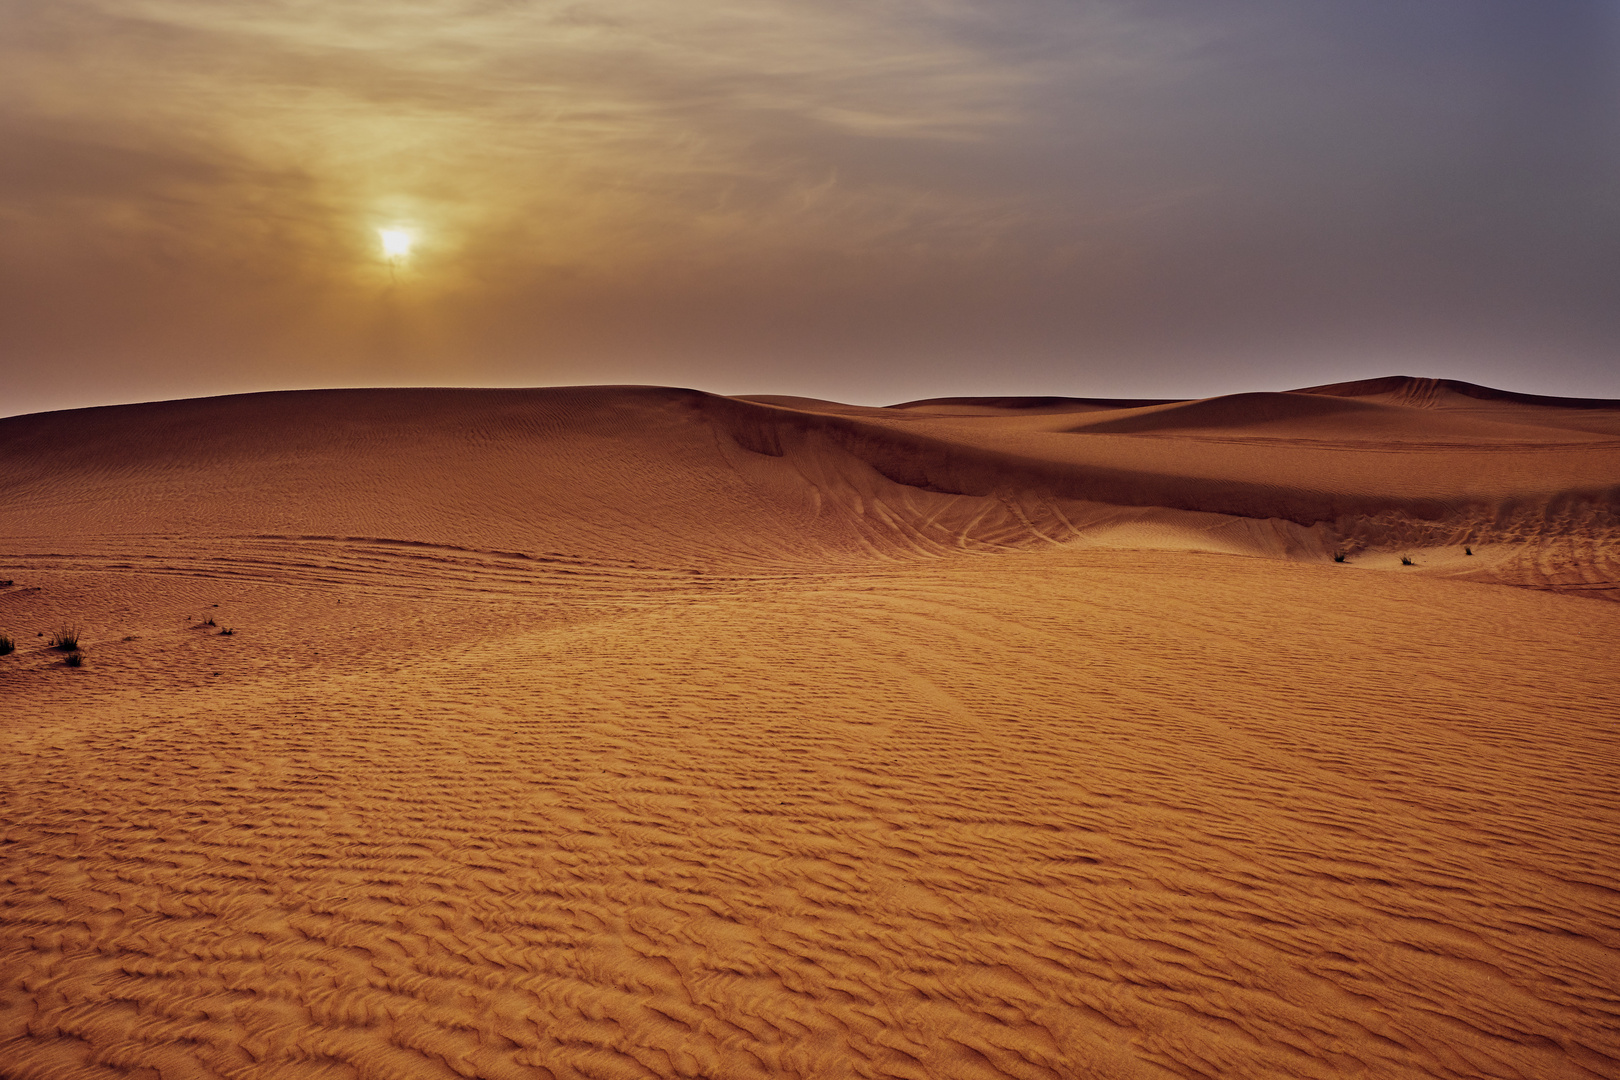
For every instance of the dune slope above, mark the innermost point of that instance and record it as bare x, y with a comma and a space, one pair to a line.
613, 732
703, 481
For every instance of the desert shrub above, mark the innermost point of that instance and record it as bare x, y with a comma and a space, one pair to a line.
1406, 560
75, 659
227, 631
1338, 556
66, 639
210, 621
7, 645
1468, 551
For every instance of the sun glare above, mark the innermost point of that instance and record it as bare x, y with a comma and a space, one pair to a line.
396, 243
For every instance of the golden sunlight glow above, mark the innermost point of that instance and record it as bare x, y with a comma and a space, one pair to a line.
396, 243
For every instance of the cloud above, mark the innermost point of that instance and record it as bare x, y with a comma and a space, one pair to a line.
596, 184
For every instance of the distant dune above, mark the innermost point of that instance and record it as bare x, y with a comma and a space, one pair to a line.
704, 481
637, 731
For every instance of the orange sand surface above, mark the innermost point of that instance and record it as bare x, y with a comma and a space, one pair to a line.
629, 732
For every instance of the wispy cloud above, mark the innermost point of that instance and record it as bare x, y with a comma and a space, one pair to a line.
633, 117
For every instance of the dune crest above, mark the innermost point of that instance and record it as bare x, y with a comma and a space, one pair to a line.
1439, 393
1302, 474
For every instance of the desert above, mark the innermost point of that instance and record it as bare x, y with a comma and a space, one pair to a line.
632, 731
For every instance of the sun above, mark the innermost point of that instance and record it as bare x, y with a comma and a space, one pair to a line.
396, 243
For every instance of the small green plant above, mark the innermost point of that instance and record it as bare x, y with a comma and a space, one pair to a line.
7, 645
227, 631
66, 639
1406, 560
1338, 556
75, 659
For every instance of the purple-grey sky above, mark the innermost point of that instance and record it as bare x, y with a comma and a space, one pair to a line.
869, 201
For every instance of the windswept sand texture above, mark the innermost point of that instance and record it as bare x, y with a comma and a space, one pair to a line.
632, 732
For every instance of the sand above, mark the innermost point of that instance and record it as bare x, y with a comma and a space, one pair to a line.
631, 732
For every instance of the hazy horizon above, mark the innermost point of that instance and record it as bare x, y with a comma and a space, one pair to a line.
986, 395
868, 203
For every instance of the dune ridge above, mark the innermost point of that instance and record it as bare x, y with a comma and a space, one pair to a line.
855, 479
611, 732
1432, 393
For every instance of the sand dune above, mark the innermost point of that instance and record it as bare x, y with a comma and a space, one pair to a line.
633, 731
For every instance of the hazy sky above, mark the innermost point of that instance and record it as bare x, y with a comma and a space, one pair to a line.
868, 200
